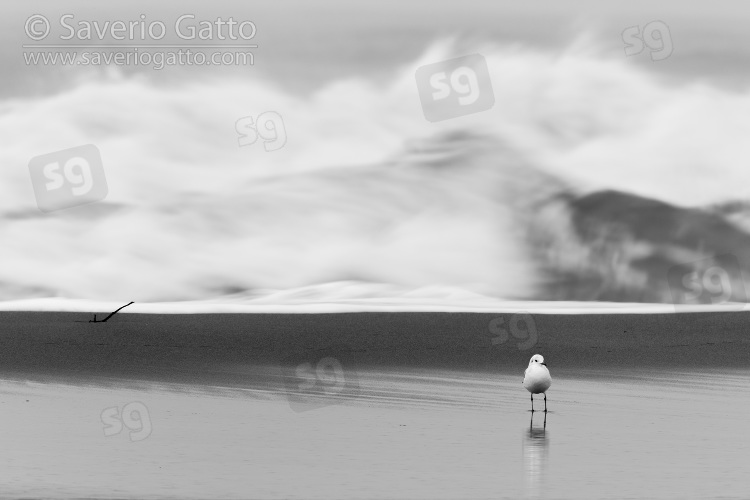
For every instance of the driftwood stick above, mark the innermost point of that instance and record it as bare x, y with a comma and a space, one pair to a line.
110, 314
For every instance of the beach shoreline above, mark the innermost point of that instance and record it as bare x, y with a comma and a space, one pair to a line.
423, 405
237, 349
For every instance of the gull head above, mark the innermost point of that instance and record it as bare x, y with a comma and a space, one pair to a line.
537, 358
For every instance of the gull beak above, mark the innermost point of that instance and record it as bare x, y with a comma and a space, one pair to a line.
545, 364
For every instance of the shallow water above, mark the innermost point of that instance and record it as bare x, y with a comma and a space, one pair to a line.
395, 435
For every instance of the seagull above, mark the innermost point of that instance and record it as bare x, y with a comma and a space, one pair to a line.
536, 379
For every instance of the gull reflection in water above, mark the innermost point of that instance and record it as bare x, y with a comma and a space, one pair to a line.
535, 448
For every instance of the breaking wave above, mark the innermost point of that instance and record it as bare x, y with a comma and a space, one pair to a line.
524, 201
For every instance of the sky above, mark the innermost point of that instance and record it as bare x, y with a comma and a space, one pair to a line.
304, 44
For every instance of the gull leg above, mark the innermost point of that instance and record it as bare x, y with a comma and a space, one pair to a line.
545, 402
532, 403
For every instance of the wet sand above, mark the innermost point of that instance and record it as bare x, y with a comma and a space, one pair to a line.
429, 435
388, 406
